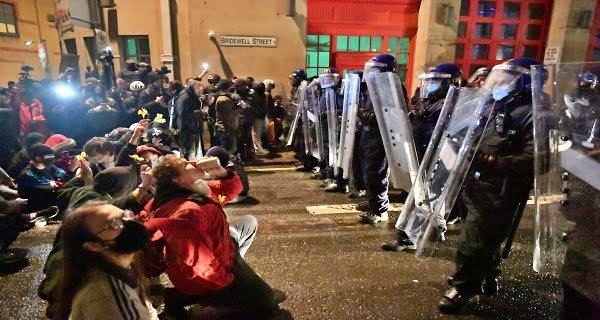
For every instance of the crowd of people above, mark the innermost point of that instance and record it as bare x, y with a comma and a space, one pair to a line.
139, 174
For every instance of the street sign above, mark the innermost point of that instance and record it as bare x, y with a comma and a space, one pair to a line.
251, 41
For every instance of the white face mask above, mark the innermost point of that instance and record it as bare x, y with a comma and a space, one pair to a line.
200, 187
109, 161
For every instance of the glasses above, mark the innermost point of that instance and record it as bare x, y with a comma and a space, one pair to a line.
117, 223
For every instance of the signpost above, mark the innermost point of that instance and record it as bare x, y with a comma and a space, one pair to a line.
552, 55
248, 41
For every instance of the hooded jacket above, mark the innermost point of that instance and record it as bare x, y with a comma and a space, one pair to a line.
191, 235
185, 106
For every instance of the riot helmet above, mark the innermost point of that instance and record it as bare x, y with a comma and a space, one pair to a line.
436, 81
381, 63
589, 79
478, 77
511, 78
329, 78
296, 77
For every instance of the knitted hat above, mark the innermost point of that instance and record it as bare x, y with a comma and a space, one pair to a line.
39, 150
60, 143
220, 153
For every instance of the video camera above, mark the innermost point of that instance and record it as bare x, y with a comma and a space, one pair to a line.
164, 70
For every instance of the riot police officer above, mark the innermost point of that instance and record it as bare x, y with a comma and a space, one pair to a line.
499, 179
370, 151
308, 162
434, 87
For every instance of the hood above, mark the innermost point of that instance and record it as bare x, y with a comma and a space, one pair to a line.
117, 181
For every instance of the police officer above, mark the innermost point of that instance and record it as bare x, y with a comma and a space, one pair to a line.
369, 150
308, 162
499, 179
424, 116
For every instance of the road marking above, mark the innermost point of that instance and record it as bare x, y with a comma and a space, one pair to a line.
344, 208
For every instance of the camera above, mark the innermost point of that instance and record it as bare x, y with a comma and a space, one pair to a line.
26, 68
163, 71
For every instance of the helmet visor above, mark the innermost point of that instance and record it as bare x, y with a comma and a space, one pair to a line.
429, 86
372, 67
328, 80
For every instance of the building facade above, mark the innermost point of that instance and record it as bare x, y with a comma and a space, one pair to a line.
270, 38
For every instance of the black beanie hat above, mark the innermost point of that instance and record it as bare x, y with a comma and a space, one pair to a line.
39, 150
33, 138
117, 181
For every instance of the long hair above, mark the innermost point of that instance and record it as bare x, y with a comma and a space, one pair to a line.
77, 260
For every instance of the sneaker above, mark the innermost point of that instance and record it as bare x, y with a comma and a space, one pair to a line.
238, 199
490, 286
399, 245
456, 220
357, 194
372, 218
453, 302
303, 169
363, 206
335, 188
437, 235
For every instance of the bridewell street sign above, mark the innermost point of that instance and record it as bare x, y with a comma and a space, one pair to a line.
250, 41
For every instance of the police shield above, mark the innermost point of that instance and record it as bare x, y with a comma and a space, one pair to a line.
294, 106
332, 128
414, 218
448, 157
389, 104
348, 123
567, 168
311, 123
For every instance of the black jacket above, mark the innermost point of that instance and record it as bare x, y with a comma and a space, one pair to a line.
187, 110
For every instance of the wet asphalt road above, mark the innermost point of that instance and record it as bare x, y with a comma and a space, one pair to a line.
330, 266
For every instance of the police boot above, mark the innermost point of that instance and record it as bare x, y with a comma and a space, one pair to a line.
454, 302
490, 285
402, 242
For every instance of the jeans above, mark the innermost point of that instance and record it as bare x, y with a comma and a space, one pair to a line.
226, 139
260, 129
243, 230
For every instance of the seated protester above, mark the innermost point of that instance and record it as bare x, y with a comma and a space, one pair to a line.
21, 158
100, 153
202, 250
277, 115
149, 153
117, 186
130, 149
101, 118
41, 179
100, 241
13, 220
163, 141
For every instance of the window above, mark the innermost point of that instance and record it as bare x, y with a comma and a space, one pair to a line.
137, 49
317, 53
486, 8
496, 30
356, 43
512, 10
71, 46
399, 47
8, 19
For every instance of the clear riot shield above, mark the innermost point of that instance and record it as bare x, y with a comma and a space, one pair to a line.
444, 174
389, 104
567, 168
294, 106
414, 218
311, 123
332, 128
348, 124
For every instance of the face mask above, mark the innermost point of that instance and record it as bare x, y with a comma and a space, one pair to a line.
433, 86
109, 161
200, 187
500, 93
133, 237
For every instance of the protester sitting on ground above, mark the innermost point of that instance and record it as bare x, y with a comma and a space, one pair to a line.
100, 241
60, 143
202, 251
233, 164
117, 186
130, 149
41, 179
277, 115
100, 153
8, 188
21, 159
150, 154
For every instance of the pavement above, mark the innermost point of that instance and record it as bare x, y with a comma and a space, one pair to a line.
329, 265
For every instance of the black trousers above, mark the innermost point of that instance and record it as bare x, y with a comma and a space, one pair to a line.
374, 167
577, 306
490, 218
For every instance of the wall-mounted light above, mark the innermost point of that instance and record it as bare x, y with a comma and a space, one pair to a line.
585, 19
212, 35
29, 42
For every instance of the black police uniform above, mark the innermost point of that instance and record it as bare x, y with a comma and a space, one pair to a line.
370, 154
499, 179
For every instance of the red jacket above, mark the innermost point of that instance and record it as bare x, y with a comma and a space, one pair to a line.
194, 239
